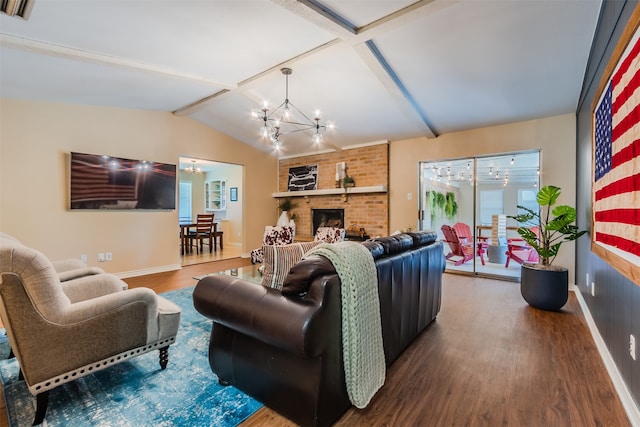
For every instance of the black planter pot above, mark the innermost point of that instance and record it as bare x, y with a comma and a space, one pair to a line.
544, 288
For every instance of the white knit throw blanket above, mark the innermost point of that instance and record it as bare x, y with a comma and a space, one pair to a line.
362, 351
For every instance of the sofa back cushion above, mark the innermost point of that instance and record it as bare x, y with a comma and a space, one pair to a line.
395, 244
424, 237
278, 260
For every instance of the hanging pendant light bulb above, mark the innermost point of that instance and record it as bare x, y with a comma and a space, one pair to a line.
193, 168
287, 118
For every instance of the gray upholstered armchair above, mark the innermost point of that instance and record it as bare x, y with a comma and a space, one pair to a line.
61, 331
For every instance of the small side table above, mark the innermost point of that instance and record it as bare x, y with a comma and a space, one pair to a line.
497, 254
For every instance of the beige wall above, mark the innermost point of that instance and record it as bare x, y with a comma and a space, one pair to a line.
35, 141
554, 136
232, 217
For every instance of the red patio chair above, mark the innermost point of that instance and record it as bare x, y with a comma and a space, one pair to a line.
460, 247
464, 232
520, 251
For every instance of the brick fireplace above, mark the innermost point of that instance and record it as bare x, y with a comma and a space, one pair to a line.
326, 218
368, 166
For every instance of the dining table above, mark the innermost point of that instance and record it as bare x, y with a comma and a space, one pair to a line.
185, 228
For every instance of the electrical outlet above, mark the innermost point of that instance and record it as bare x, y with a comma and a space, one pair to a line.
101, 257
632, 346
593, 289
83, 258
109, 256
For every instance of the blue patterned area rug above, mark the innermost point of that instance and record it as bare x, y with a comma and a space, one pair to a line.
137, 392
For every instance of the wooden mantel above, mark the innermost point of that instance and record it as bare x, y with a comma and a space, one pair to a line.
329, 191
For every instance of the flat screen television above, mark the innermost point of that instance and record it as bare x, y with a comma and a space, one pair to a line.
105, 182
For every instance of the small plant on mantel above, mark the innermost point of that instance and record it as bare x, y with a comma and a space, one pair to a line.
348, 182
287, 204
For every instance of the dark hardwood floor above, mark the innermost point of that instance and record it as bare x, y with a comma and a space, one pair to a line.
488, 360
491, 360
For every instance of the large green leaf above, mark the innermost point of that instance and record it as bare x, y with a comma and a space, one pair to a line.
555, 225
568, 212
548, 195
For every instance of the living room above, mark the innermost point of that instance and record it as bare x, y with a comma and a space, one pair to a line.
37, 137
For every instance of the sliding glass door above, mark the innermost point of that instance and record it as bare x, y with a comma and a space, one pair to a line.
468, 201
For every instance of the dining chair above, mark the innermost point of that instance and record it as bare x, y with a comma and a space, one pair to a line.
203, 233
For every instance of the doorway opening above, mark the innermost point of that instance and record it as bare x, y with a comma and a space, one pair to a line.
474, 196
211, 187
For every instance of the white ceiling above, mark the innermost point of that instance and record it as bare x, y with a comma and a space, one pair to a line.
379, 70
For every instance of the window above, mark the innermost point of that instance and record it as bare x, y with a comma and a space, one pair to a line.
184, 202
491, 203
527, 198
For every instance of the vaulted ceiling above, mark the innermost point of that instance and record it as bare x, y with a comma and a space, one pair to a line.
379, 70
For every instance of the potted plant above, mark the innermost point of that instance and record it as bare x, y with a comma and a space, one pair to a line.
544, 285
348, 182
285, 205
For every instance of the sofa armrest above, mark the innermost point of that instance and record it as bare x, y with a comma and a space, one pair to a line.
63, 265
292, 323
94, 286
84, 310
79, 272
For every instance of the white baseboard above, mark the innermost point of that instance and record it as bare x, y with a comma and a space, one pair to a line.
143, 272
632, 410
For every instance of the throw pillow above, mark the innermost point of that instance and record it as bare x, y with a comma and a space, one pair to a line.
277, 235
278, 260
329, 234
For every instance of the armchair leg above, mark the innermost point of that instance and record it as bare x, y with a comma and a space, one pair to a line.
223, 382
164, 357
42, 400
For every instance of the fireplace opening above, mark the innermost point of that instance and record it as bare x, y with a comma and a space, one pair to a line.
326, 218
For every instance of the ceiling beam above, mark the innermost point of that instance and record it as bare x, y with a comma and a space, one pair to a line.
57, 51
320, 15
347, 37
370, 54
244, 87
17, 8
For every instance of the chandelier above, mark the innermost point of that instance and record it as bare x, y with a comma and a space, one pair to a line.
287, 118
193, 168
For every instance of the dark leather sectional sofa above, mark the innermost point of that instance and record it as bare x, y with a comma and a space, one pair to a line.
285, 350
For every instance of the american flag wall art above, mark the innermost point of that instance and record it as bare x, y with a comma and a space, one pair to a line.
616, 161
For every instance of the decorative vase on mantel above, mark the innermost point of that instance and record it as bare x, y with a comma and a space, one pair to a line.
283, 221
